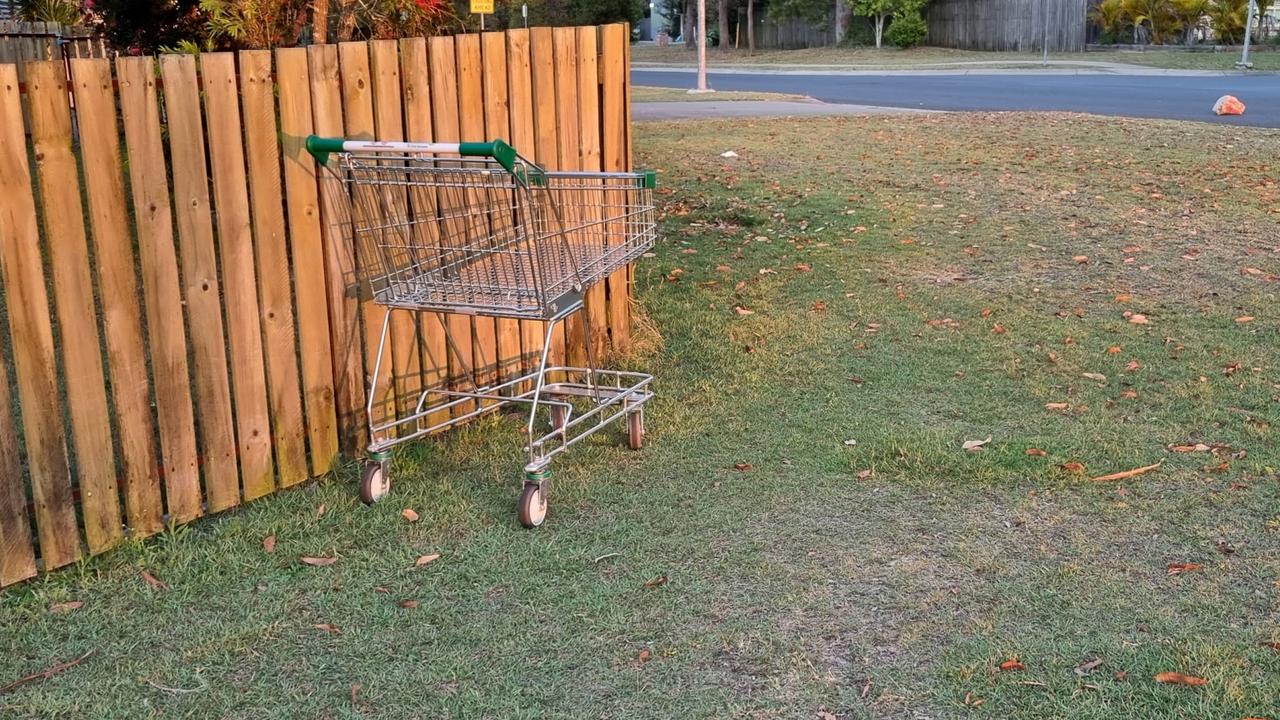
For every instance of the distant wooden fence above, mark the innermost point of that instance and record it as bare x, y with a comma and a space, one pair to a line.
22, 42
1008, 24
192, 371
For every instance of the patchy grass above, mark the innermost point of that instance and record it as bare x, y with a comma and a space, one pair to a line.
646, 93
930, 58
912, 282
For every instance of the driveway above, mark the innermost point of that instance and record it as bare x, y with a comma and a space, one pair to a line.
1169, 96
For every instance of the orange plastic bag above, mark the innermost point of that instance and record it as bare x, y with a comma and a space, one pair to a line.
1228, 105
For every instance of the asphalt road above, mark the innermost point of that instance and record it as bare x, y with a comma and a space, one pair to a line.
1176, 97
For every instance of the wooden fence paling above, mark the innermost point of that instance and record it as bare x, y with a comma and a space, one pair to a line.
1008, 24
523, 138
77, 312
17, 558
118, 283
161, 285
497, 124
275, 382
32, 334
263, 154
308, 255
418, 114
235, 246
344, 318
616, 157
201, 291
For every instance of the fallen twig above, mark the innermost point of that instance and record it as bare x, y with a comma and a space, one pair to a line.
602, 557
1128, 473
45, 674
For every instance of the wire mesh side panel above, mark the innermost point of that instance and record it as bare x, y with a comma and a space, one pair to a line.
443, 235
469, 236
592, 224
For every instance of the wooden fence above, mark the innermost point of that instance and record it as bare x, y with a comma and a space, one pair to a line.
22, 42
1008, 24
158, 375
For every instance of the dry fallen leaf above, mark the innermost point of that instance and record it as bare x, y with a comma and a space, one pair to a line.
824, 715
972, 701
408, 604
742, 467
1012, 664
1073, 467
1244, 319
1174, 678
1085, 668
1138, 319
320, 510
655, 582
328, 627
409, 514
644, 655
318, 561
743, 311
1095, 376
424, 559
1057, 406
864, 474
153, 581
975, 445
1036, 452
269, 543
1273, 645
1179, 568
1128, 473
65, 607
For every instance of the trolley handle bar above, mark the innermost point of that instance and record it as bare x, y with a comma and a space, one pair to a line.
321, 147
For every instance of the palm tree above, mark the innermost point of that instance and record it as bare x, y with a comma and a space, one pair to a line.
1155, 14
1227, 19
1110, 15
1187, 14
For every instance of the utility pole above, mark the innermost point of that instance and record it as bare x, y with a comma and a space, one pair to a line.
1244, 63
702, 46
1045, 10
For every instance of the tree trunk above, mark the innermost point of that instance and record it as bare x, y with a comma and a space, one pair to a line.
686, 23
320, 22
842, 19
879, 29
722, 16
751, 26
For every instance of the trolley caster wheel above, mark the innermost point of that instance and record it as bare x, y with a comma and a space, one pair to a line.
532, 508
374, 482
635, 430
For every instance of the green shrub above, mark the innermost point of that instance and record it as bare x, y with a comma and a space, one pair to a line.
907, 30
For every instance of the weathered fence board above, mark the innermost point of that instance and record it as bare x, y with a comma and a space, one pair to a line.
1008, 24
223, 272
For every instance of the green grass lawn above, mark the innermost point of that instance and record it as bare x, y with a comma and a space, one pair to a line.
942, 58
830, 317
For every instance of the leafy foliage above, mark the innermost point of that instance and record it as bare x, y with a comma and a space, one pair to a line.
569, 12
65, 12
908, 29
1162, 21
148, 25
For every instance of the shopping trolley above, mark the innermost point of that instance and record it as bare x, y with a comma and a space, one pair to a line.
476, 229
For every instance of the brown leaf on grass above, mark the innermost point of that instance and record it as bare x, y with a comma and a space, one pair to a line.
320, 510
1128, 473
1225, 548
1081, 259
355, 692
656, 582
1175, 678
65, 607
1132, 365
155, 582
1131, 394
1099, 377
1179, 568
824, 715
1073, 466
1114, 350
1198, 447
972, 700
269, 543
1057, 406
318, 561
329, 628
723, 268
425, 559
1036, 452
1012, 664
1139, 319
1271, 644
644, 656
408, 604
1087, 667
803, 267
998, 329
819, 305
1121, 675
1231, 369
864, 474
409, 514
1122, 298
1244, 319
742, 467
986, 312
743, 311
975, 445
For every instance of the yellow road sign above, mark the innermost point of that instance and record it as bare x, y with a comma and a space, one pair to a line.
481, 7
